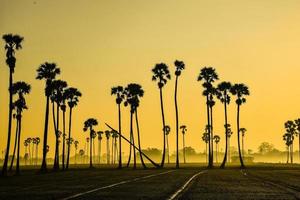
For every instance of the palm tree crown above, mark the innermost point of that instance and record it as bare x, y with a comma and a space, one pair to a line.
119, 92
183, 129
13, 42
161, 73
89, 123
179, 65
240, 90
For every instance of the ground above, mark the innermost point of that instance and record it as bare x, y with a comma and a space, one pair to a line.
260, 181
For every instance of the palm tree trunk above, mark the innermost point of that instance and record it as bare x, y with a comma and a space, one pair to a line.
91, 146
177, 123
4, 168
15, 146
206, 151
56, 159
164, 124
243, 146
139, 140
287, 153
168, 152
292, 152
70, 126
120, 141
226, 132
131, 138
183, 150
112, 150
44, 164
64, 140
107, 151
229, 153
18, 151
99, 151
212, 135
209, 136
238, 134
37, 154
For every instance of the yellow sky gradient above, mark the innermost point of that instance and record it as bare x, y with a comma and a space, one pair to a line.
100, 44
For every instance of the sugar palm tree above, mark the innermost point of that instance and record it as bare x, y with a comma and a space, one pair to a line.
48, 72
211, 102
243, 132
240, 91
87, 148
288, 138
94, 135
208, 75
72, 96
69, 142
297, 122
290, 127
179, 66
81, 154
167, 131
37, 142
107, 135
223, 91
12, 43
183, 131
114, 136
161, 74
119, 92
29, 140
76, 143
16, 140
99, 133
89, 125
205, 138
228, 135
217, 140
63, 108
26, 146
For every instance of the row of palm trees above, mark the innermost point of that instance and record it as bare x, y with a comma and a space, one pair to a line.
292, 129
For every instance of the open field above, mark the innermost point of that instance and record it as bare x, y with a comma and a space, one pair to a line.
261, 181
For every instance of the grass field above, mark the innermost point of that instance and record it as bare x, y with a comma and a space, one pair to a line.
261, 181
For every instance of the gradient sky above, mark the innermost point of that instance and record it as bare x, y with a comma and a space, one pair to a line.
100, 44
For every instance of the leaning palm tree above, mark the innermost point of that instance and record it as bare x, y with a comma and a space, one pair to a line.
223, 91
240, 91
183, 131
161, 74
243, 131
99, 145
205, 138
107, 135
179, 65
88, 125
72, 95
217, 140
297, 122
208, 75
12, 43
167, 131
119, 92
48, 72
290, 127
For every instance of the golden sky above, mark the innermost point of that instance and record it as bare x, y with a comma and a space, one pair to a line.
100, 44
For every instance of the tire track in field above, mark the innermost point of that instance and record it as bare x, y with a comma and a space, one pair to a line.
115, 184
185, 186
285, 187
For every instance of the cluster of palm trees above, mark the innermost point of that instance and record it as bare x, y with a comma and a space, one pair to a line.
292, 129
32, 153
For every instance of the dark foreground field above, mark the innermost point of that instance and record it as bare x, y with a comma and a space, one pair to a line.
255, 182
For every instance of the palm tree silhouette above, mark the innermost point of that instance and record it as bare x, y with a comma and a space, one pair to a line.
161, 74
223, 91
243, 131
69, 142
217, 140
107, 135
212, 92
99, 144
94, 135
183, 131
48, 72
29, 140
290, 128
12, 43
239, 90
37, 142
205, 138
87, 148
179, 65
76, 143
288, 138
26, 146
208, 75
72, 96
297, 122
81, 154
167, 131
228, 135
119, 92
88, 125
16, 140
114, 137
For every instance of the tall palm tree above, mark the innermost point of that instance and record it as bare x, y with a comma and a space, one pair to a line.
76, 143
223, 91
72, 96
217, 140
107, 135
240, 91
119, 92
161, 74
88, 125
69, 142
99, 144
167, 131
297, 122
179, 66
48, 72
12, 43
183, 131
290, 127
212, 92
16, 140
205, 138
288, 138
243, 131
208, 75
63, 108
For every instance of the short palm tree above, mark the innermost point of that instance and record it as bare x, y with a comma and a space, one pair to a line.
99, 133
217, 140
89, 125
243, 132
12, 43
223, 91
240, 91
208, 75
228, 135
72, 96
297, 122
205, 138
167, 131
26, 153
179, 66
76, 143
48, 72
37, 142
119, 92
290, 128
161, 74
183, 131
69, 142
107, 135
288, 138
114, 149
